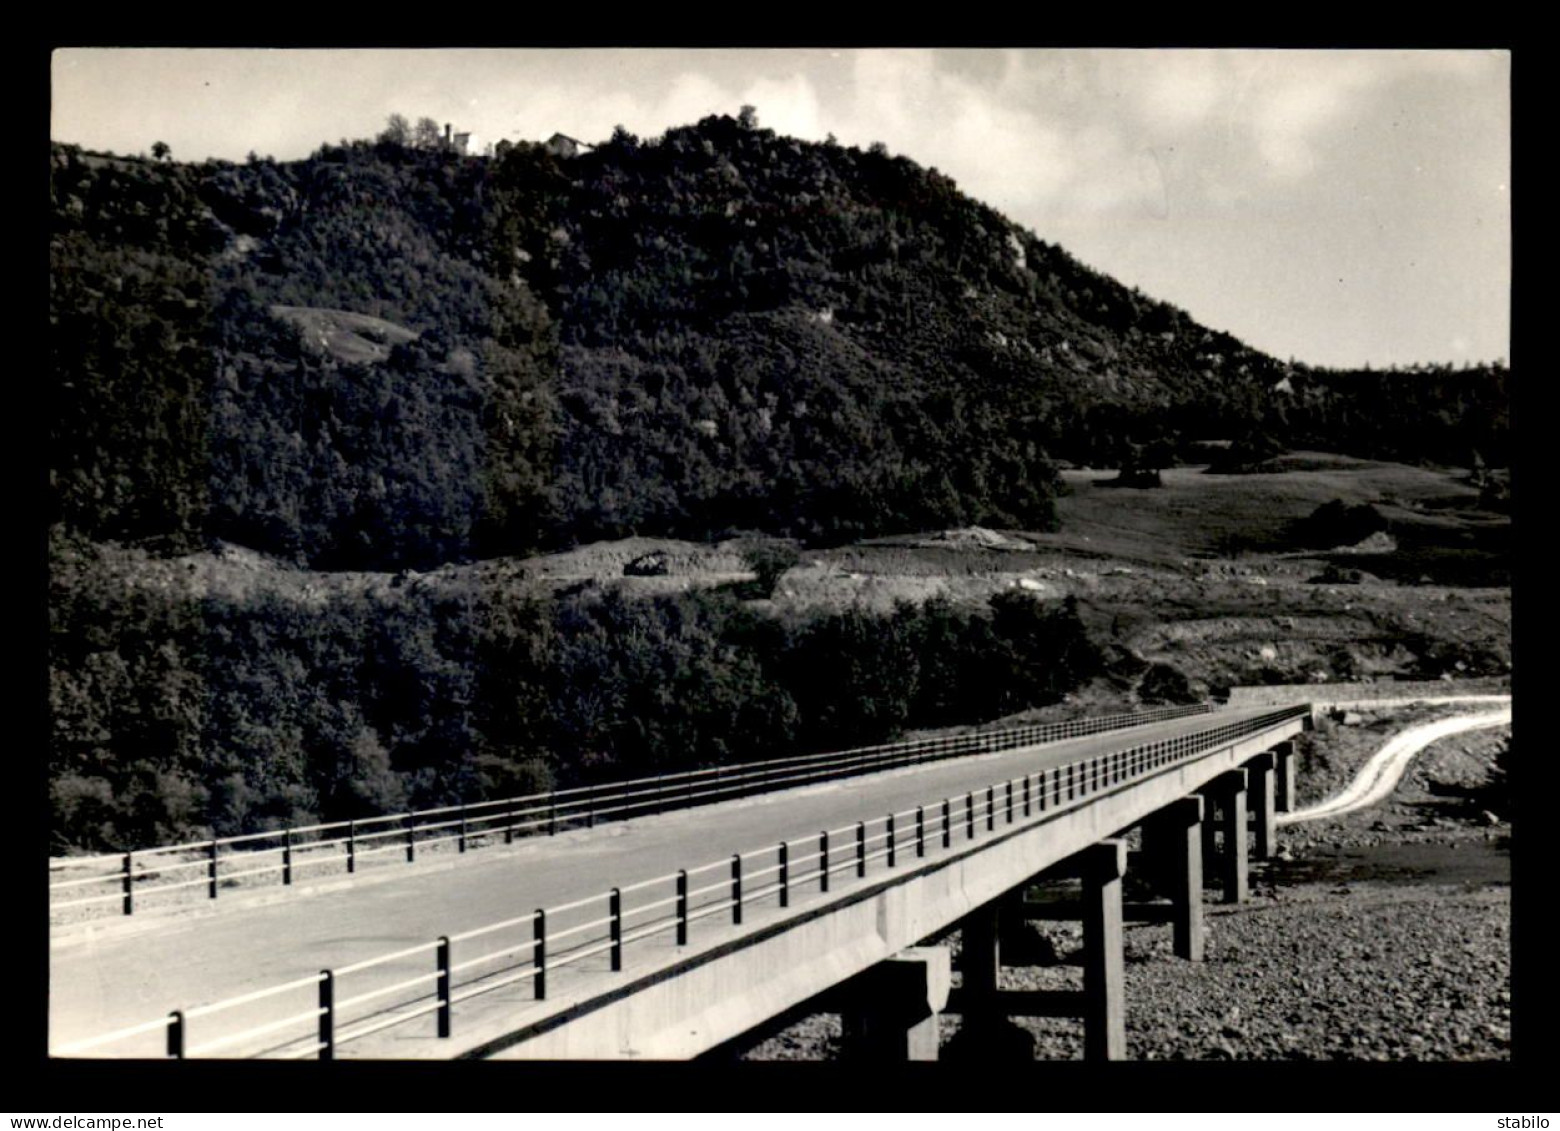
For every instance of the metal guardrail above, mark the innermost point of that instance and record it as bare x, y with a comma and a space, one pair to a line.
531, 947
290, 852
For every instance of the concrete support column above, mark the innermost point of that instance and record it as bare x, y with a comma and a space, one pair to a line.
1284, 783
889, 1013
987, 1035
1259, 784
1016, 943
1156, 842
980, 958
1104, 981
1177, 844
1210, 826
1229, 793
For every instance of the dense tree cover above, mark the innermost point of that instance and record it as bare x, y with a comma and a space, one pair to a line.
190, 406
1425, 412
717, 329
191, 717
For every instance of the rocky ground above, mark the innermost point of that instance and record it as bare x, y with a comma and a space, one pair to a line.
1380, 935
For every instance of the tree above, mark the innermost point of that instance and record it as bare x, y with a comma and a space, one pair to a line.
160, 150
427, 135
769, 562
747, 117
397, 131
1141, 464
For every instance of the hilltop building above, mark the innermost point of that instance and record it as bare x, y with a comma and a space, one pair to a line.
562, 145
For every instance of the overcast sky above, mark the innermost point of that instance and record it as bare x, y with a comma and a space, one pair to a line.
1338, 207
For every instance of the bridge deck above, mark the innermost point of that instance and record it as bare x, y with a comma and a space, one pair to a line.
119, 976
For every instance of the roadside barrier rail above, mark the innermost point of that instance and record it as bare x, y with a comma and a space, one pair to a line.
530, 947
286, 854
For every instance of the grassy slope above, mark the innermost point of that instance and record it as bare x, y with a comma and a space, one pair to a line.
1196, 515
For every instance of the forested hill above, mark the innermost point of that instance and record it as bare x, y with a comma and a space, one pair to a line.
389, 356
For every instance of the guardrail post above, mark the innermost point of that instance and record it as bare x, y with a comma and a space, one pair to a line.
129, 880
615, 912
861, 848
1071, 779
969, 815
682, 907
823, 861
176, 1034
890, 840
1027, 793
460, 840
785, 874
539, 954
442, 984
286, 857
509, 823
920, 830
947, 823
590, 806
411, 839
351, 847
327, 1032
552, 813
1010, 800
211, 871
991, 807
736, 888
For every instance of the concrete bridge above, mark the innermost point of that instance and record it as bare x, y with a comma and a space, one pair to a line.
667, 936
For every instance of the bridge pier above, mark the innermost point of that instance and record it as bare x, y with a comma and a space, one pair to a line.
1264, 830
986, 1031
1172, 851
1284, 784
1228, 793
1101, 1003
1210, 834
980, 958
1104, 979
889, 1012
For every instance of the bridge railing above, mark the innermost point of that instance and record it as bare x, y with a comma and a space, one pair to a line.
283, 856
529, 949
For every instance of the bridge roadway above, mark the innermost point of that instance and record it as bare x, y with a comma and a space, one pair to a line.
111, 977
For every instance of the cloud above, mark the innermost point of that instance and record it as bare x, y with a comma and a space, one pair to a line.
787, 105
1181, 89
